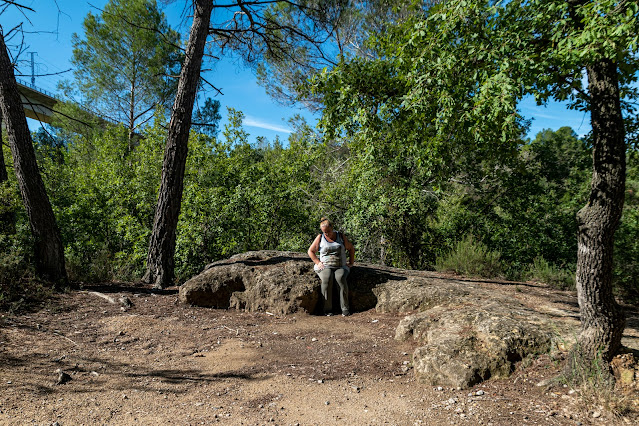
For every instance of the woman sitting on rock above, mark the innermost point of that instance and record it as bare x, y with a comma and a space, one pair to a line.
332, 265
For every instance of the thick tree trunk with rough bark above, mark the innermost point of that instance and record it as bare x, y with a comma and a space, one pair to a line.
3, 167
160, 259
602, 320
7, 219
49, 253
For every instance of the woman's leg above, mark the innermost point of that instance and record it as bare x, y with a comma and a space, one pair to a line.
340, 277
326, 276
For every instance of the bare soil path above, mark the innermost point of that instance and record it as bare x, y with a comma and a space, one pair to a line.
158, 362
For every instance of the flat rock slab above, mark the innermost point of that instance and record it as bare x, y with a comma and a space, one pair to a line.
466, 333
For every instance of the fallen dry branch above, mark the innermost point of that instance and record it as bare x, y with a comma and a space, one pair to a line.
102, 295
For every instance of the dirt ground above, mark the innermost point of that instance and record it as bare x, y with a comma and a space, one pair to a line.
158, 362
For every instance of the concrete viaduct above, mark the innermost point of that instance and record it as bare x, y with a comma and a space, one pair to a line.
38, 104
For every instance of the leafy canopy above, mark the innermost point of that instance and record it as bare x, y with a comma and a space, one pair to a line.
125, 61
451, 79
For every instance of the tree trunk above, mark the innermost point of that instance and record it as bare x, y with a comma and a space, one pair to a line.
131, 114
160, 259
7, 218
49, 253
3, 167
602, 320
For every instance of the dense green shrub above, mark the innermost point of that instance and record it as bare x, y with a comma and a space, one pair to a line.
19, 288
524, 210
15, 270
104, 197
240, 196
237, 197
543, 271
626, 269
471, 258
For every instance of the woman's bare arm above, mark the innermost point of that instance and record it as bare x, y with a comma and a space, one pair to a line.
313, 249
351, 251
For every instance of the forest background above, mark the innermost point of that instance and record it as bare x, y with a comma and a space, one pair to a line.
509, 216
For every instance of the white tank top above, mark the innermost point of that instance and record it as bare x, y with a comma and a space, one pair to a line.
333, 254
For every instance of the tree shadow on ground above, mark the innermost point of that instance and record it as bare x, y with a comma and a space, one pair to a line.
489, 281
112, 372
119, 287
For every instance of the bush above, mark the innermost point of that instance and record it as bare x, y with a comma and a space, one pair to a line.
18, 286
13, 268
471, 258
626, 260
548, 273
99, 264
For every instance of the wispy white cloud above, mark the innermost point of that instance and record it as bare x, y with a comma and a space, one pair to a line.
534, 114
553, 115
256, 122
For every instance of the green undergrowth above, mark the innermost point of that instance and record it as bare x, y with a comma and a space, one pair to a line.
545, 272
471, 258
595, 387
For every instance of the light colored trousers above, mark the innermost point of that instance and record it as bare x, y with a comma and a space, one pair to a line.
328, 275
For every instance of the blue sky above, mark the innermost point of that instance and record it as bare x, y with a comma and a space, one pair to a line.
53, 51
553, 116
48, 34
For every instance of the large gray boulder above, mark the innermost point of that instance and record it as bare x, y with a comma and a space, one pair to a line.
465, 332
278, 282
284, 282
464, 344
281, 282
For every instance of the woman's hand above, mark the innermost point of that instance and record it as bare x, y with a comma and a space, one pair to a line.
350, 264
320, 266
